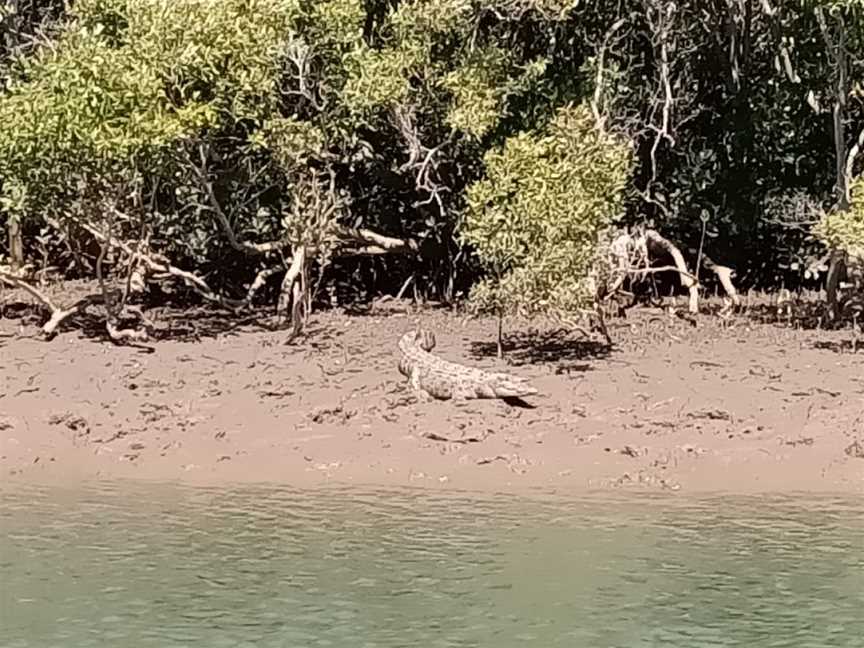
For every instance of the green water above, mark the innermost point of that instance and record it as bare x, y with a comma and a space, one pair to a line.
125, 565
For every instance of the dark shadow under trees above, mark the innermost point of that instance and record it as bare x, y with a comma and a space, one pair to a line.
566, 350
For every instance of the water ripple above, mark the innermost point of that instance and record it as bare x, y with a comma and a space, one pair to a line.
133, 565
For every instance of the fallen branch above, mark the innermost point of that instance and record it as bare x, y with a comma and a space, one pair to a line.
121, 336
57, 314
15, 278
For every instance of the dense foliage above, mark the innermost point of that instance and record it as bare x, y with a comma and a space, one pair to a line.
538, 233
503, 136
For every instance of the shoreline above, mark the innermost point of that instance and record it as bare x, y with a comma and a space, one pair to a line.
744, 409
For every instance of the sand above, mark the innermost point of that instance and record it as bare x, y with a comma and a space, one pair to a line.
731, 406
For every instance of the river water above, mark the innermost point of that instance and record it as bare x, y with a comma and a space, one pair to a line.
127, 565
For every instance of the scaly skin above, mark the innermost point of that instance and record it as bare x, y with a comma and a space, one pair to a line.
431, 376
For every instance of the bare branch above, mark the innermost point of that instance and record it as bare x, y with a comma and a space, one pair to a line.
300, 54
660, 17
629, 254
216, 208
773, 19
835, 46
163, 267
16, 279
657, 269
352, 241
261, 279
599, 117
667, 92
421, 158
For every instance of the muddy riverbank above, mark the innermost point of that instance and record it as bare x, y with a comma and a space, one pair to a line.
743, 407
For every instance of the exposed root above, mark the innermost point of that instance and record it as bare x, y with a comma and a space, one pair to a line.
60, 315
294, 292
630, 258
724, 276
159, 266
123, 335
689, 281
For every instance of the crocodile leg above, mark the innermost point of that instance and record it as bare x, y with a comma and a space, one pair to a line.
421, 394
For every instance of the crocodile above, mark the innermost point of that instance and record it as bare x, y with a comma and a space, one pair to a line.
432, 376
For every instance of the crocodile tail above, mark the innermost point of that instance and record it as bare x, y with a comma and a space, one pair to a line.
512, 389
504, 386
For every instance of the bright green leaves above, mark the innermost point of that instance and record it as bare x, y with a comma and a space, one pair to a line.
146, 86
228, 52
292, 142
481, 85
87, 99
128, 80
535, 218
428, 46
845, 230
423, 21
378, 78
478, 87
337, 23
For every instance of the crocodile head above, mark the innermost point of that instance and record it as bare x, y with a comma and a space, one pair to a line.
422, 338
425, 339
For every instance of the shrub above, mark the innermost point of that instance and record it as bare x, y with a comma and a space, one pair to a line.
844, 230
536, 217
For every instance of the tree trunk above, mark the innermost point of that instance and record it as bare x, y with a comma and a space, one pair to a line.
294, 293
16, 244
836, 47
500, 340
832, 282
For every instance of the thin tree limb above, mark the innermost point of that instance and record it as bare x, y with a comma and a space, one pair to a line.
599, 117
222, 217
774, 21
